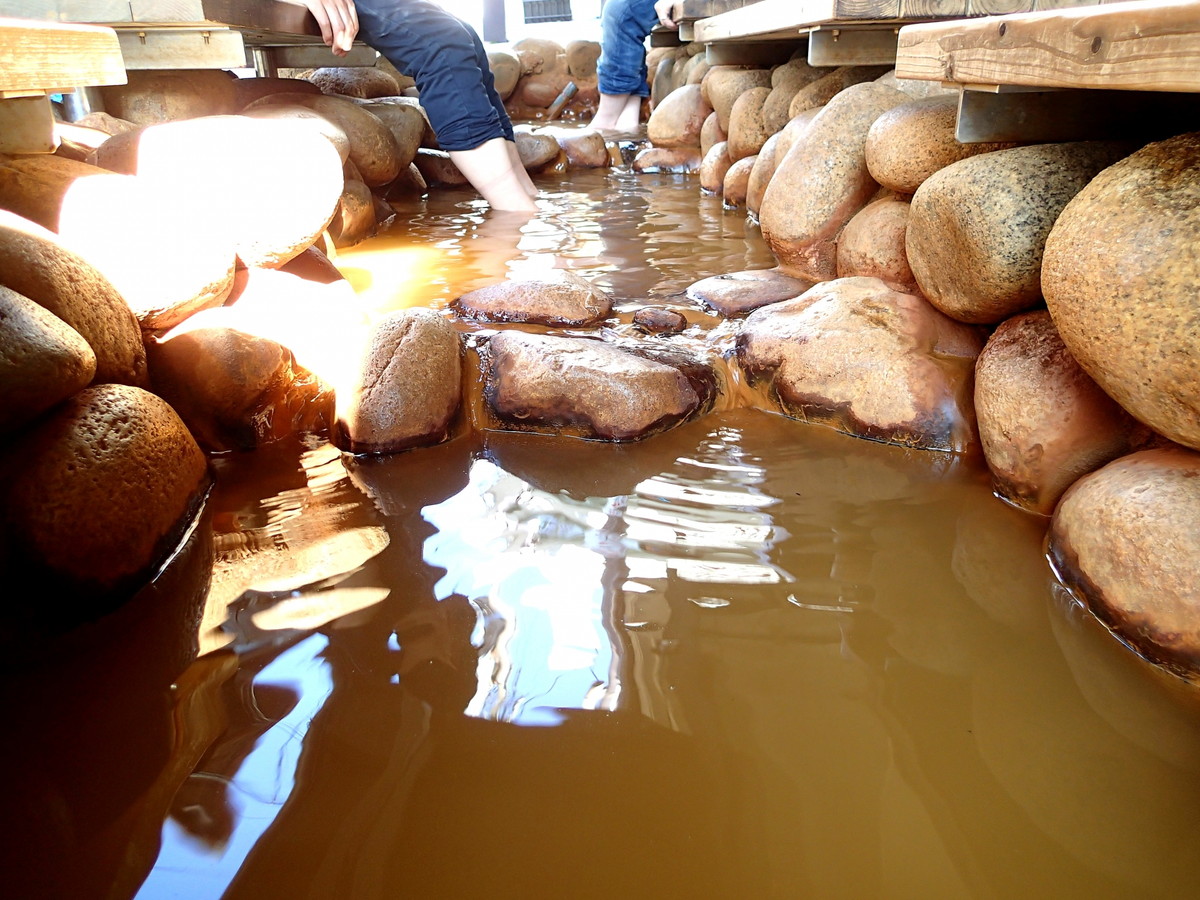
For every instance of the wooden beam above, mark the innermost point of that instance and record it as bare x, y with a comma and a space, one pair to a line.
1150, 46
785, 18
40, 55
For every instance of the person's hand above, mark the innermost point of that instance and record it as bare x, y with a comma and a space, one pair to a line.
339, 23
664, 10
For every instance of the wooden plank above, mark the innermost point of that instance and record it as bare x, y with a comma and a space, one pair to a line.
69, 11
284, 17
782, 18
691, 10
39, 55
1151, 46
932, 9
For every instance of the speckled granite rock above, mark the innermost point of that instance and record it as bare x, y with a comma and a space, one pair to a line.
43, 360
1124, 540
678, 160
163, 95
409, 388
722, 86
249, 90
166, 261
656, 320
867, 360
1120, 277
978, 227
354, 221
760, 175
536, 150
588, 388
33, 187
747, 129
822, 90
787, 81
106, 451
740, 293
35, 264
677, 120
1042, 421
354, 81
559, 298
713, 168
406, 122
585, 149
711, 133
822, 182
910, 142
737, 183
436, 167
872, 244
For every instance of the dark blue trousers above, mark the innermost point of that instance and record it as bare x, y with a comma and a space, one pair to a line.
445, 57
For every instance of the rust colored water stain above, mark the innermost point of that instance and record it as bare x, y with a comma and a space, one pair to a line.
746, 657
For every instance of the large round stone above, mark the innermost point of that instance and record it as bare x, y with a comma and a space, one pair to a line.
1042, 421
163, 95
737, 183
978, 227
582, 57
373, 147
292, 113
713, 168
740, 293
560, 298
43, 360
1121, 276
1124, 540
678, 119
107, 484
355, 81
33, 187
748, 130
872, 244
711, 133
869, 361
823, 89
722, 86
250, 90
506, 71
407, 123
760, 174
675, 160
35, 264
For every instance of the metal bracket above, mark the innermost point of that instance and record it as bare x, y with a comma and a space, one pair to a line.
852, 46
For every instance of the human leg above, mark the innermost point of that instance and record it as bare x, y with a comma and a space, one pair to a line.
621, 69
490, 169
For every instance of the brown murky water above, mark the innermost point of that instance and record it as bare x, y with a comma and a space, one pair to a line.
746, 658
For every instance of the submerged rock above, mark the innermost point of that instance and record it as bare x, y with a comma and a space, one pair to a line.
409, 386
736, 186
740, 293
1043, 422
1124, 540
713, 168
590, 387
559, 298
868, 360
678, 161
1120, 278
656, 320
585, 149
536, 150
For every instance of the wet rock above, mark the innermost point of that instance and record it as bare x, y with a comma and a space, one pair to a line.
740, 293
872, 244
662, 78
436, 167
760, 174
822, 90
409, 387
43, 360
108, 450
33, 187
408, 183
1124, 540
822, 182
593, 387
1042, 421
355, 81
559, 298
35, 264
234, 389
213, 167
288, 112
677, 120
679, 161
164, 95
249, 90
540, 55
711, 133
406, 122
109, 124
506, 70
747, 128
313, 265
373, 147
713, 168
1120, 278
867, 360
538, 92
585, 150
737, 182
978, 227
910, 142
536, 150
166, 261
582, 57
354, 220
724, 84
656, 320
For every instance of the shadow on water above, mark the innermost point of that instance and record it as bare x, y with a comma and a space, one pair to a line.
746, 657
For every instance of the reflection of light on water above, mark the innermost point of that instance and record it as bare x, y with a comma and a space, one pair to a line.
189, 868
388, 276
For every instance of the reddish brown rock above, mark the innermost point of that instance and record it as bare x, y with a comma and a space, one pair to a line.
35, 264
589, 387
436, 167
823, 89
107, 484
678, 161
713, 168
711, 133
560, 298
407, 123
867, 360
409, 386
872, 244
740, 293
164, 95
272, 110
313, 265
910, 142
408, 183
248, 90
677, 120
822, 182
33, 187
1124, 540
166, 261
724, 84
109, 124
748, 130
506, 71
355, 81
582, 57
585, 149
760, 175
978, 227
538, 92
540, 55
1120, 276
373, 147
1042, 421
656, 320
43, 360
354, 220
536, 150
737, 183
